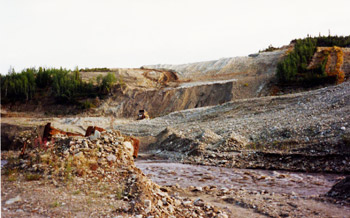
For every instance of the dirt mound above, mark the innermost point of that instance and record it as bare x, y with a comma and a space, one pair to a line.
341, 190
163, 77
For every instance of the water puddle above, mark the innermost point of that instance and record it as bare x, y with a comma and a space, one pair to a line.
3, 163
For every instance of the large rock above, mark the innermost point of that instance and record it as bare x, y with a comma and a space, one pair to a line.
95, 136
14, 200
209, 137
341, 190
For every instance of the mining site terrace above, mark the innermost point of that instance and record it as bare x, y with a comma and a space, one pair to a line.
220, 142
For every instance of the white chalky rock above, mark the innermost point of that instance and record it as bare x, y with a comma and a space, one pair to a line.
111, 158
14, 200
128, 147
95, 136
148, 206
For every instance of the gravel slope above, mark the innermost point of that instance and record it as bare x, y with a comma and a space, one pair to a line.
313, 126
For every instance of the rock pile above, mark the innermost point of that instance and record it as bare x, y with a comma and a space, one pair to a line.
106, 158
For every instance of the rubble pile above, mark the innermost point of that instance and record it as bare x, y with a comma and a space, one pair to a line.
105, 158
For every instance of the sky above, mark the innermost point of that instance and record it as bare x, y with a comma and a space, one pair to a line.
132, 33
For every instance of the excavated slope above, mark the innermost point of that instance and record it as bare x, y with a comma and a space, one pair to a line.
256, 64
196, 85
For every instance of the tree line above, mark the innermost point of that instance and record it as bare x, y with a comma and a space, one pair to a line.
293, 68
62, 84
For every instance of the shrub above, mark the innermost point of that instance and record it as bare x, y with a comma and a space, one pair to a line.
32, 177
108, 81
293, 68
87, 105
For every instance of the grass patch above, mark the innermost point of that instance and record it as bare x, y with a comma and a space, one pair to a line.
76, 192
11, 173
55, 204
32, 176
13, 176
68, 171
89, 201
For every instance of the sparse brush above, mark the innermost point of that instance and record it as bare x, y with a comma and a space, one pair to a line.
32, 177
119, 191
76, 192
12, 174
68, 169
55, 204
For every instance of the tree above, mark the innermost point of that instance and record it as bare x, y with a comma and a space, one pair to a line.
108, 81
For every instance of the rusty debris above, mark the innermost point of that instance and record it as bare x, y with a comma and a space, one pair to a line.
49, 131
91, 130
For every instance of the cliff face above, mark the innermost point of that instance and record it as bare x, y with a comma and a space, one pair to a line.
164, 101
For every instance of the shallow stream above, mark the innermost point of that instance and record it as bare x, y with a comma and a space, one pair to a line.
301, 183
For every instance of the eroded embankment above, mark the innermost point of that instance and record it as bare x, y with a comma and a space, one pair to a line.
163, 101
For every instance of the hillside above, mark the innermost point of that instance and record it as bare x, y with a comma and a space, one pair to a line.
309, 126
299, 134
223, 139
197, 85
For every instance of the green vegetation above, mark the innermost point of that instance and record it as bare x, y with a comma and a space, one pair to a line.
64, 85
330, 41
294, 67
77, 192
12, 174
104, 69
55, 204
87, 105
270, 48
107, 82
32, 177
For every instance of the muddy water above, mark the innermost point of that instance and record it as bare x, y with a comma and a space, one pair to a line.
303, 184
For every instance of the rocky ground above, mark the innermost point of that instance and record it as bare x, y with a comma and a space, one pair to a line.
86, 177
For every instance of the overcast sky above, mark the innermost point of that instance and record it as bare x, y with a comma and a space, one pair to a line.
132, 33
